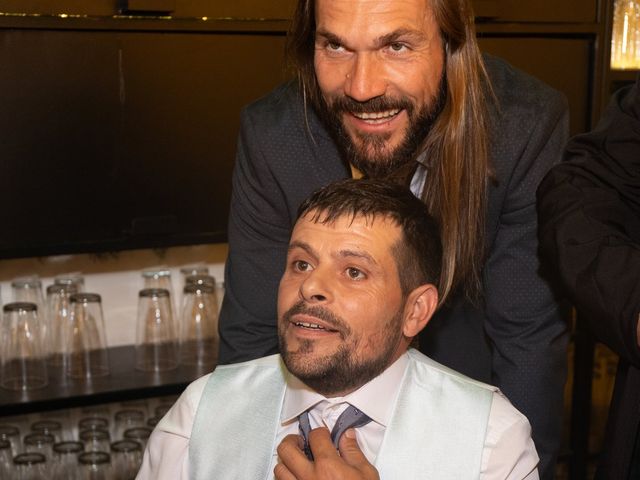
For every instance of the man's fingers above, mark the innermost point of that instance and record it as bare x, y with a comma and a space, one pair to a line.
320, 443
350, 450
281, 472
293, 462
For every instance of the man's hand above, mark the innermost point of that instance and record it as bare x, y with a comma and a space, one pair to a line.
350, 464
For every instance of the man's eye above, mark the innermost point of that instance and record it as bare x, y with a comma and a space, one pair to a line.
333, 46
301, 265
398, 47
355, 274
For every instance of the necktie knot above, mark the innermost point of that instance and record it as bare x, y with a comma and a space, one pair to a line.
350, 418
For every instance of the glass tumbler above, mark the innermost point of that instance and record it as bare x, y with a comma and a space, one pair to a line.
74, 279
29, 466
5, 459
11, 434
48, 427
65, 460
22, 362
126, 419
39, 443
86, 354
156, 341
95, 440
160, 277
199, 326
127, 458
138, 434
58, 313
95, 466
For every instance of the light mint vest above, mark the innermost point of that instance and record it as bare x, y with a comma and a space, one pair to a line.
437, 430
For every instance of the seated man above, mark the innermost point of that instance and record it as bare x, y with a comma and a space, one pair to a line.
360, 283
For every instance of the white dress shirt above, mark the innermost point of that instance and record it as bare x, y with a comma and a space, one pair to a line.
508, 453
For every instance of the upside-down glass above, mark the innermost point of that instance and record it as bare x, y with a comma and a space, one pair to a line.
48, 427
22, 362
127, 458
86, 353
199, 326
5, 459
95, 466
95, 440
138, 434
40, 443
58, 312
65, 460
160, 277
11, 433
29, 466
70, 279
126, 419
156, 340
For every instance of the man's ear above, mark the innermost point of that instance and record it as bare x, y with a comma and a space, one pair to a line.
419, 308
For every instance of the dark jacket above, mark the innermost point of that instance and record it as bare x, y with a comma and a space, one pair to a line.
590, 228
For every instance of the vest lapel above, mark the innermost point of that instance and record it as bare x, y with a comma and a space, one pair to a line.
236, 423
437, 431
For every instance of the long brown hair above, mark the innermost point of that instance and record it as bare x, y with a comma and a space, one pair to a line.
457, 151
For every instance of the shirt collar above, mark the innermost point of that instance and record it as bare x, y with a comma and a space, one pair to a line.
375, 398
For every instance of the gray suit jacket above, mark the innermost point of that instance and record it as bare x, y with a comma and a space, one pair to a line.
516, 339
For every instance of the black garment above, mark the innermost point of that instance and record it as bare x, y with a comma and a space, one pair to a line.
516, 340
590, 228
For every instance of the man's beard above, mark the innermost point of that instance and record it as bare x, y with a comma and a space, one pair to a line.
368, 153
342, 370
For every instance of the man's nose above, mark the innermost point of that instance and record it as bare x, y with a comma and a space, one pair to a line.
316, 288
365, 79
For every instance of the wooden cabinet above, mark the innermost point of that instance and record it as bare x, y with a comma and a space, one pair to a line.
569, 11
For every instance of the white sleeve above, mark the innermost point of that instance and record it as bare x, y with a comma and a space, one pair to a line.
167, 454
509, 452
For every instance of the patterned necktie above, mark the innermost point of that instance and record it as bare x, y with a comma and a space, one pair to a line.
350, 418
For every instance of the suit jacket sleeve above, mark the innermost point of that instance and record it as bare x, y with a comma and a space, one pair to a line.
524, 321
258, 237
589, 223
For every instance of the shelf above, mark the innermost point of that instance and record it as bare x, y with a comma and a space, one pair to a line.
123, 383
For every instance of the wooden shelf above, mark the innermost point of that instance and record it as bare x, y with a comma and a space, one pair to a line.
123, 383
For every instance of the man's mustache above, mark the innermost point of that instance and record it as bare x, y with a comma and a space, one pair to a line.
329, 318
344, 103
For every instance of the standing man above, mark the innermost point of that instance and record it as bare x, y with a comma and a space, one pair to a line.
398, 89
590, 229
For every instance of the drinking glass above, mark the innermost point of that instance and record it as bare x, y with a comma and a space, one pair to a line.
28, 289
58, 313
138, 434
95, 440
39, 443
199, 326
5, 459
30, 466
156, 345
22, 365
126, 419
95, 466
160, 277
65, 460
74, 279
93, 423
86, 354
48, 427
127, 458
11, 434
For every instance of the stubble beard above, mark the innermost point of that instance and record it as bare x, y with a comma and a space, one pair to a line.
370, 153
343, 370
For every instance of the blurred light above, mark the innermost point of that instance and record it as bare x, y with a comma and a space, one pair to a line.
625, 37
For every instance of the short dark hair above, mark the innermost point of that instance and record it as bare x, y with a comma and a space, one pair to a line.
418, 254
